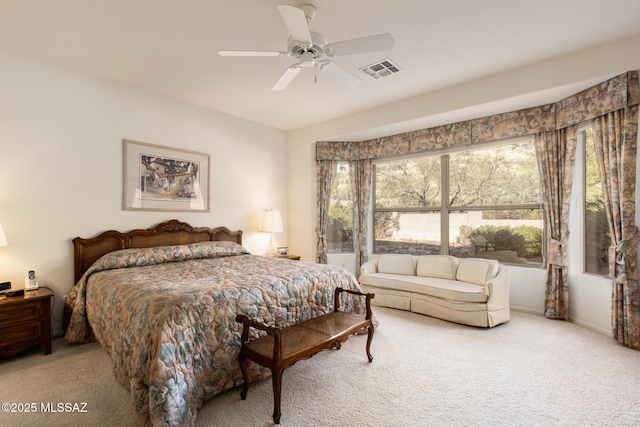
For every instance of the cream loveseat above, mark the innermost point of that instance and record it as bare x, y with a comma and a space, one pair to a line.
470, 291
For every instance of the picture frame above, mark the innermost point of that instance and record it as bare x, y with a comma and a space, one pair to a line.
282, 251
160, 178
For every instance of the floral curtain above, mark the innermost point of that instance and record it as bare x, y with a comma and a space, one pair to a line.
326, 171
615, 136
360, 176
555, 152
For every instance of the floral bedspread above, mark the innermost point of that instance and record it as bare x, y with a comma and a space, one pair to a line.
166, 316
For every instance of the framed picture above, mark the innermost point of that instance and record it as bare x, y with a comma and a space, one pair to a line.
159, 178
283, 251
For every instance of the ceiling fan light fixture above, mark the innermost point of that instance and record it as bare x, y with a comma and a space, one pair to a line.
307, 59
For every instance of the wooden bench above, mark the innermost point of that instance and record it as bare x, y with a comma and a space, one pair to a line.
282, 347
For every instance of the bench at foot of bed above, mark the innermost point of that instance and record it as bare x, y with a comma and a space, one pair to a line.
282, 347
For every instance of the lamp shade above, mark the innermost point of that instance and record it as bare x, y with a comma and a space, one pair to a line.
3, 238
271, 221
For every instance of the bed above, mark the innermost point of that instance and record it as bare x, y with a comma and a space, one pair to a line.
163, 301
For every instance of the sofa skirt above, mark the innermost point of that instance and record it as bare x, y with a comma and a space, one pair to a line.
473, 314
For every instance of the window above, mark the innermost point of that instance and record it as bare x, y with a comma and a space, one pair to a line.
340, 227
596, 228
407, 200
477, 203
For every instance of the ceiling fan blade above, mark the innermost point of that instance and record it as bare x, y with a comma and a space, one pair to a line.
287, 77
251, 53
339, 74
296, 22
361, 45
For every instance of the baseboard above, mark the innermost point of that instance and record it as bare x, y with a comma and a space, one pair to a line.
592, 328
576, 321
526, 310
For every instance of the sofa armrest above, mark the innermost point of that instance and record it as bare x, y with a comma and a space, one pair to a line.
369, 267
498, 290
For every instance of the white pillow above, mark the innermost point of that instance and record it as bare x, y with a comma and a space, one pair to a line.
440, 266
494, 266
396, 264
476, 271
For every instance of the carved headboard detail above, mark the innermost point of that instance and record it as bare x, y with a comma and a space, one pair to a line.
173, 232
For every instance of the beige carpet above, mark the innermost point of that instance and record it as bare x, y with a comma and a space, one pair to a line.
530, 372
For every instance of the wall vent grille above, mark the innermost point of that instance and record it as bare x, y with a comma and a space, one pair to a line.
381, 69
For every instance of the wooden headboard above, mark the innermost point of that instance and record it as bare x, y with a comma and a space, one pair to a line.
173, 232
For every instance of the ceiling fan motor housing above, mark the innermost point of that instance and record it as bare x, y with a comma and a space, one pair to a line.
318, 42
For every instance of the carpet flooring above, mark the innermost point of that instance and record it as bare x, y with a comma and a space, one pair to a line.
530, 371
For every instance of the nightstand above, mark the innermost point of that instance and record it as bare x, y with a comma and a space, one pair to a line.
293, 257
25, 321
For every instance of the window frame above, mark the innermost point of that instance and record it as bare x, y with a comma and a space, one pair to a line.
582, 141
445, 209
329, 226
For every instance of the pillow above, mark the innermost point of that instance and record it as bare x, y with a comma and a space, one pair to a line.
440, 266
476, 271
396, 264
494, 266
216, 249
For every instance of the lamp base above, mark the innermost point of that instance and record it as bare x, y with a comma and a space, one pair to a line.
271, 251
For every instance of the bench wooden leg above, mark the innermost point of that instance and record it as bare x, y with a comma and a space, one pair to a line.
245, 376
369, 339
276, 378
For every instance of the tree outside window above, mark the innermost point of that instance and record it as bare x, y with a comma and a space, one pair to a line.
340, 228
596, 228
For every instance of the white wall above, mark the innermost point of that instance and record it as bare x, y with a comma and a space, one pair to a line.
61, 170
589, 305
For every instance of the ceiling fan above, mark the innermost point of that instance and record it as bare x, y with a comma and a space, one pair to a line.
312, 49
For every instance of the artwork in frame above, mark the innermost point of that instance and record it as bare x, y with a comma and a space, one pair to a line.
160, 178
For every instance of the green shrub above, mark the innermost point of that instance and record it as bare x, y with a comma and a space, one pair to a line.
524, 239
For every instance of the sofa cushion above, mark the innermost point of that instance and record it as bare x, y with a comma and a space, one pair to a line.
454, 290
440, 266
397, 264
476, 271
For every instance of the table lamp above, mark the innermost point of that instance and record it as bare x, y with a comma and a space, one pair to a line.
271, 223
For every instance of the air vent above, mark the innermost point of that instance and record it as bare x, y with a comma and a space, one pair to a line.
381, 69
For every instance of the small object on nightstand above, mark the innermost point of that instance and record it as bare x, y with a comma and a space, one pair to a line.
282, 251
16, 293
5, 286
31, 281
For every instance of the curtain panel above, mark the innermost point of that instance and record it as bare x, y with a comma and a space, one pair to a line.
616, 135
555, 152
360, 177
326, 171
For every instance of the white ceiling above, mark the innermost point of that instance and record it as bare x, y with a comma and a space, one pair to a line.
170, 46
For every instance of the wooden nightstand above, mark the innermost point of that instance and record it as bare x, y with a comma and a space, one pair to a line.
293, 257
25, 321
